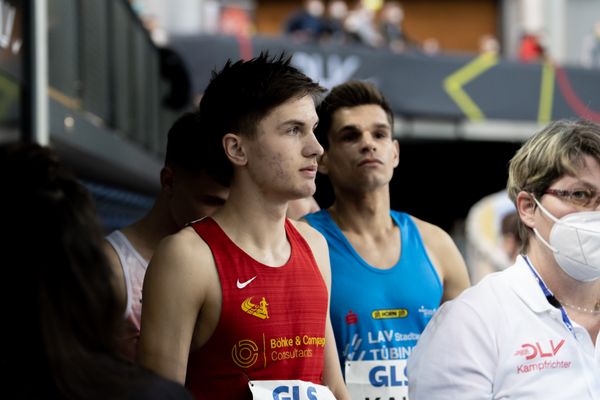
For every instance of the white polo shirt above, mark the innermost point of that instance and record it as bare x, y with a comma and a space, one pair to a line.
501, 339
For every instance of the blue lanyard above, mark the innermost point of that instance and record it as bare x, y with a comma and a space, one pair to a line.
550, 297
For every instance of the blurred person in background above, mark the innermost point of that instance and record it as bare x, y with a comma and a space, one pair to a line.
187, 193
490, 246
61, 344
590, 48
361, 27
530, 331
431, 46
488, 44
333, 23
306, 24
390, 270
531, 48
390, 25
236, 20
511, 241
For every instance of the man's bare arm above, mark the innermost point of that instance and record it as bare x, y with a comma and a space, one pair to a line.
173, 294
446, 257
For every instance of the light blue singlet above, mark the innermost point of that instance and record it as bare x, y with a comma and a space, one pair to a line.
379, 314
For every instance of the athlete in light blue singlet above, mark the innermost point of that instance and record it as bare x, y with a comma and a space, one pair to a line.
390, 271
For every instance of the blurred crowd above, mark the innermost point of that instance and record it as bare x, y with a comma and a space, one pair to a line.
373, 24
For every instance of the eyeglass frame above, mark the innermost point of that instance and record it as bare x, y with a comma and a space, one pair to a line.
568, 196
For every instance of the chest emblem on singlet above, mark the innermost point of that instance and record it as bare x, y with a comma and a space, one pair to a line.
244, 353
258, 310
241, 285
351, 318
390, 313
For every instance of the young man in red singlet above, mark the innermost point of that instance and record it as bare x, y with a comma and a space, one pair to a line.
237, 304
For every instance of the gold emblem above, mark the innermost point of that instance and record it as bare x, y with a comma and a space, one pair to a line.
245, 353
258, 310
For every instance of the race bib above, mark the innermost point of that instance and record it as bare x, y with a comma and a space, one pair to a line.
383, 379
289, 390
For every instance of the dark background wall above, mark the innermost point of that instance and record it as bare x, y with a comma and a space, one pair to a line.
438, 181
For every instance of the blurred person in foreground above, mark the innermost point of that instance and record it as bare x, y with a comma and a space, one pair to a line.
61, 344
530, 331
236, 305
187, 193
390, 270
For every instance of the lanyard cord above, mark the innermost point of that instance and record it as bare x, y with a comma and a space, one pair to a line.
551, 299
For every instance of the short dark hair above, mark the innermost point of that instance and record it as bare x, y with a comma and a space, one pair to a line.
240, 95
350, 94
183, 143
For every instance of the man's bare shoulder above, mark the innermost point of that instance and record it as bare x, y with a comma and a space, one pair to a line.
310, 234
433, 236
182, 250
318, 245
183, 236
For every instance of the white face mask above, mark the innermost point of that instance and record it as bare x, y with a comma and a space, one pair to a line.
575, 242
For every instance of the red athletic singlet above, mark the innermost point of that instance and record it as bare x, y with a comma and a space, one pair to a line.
272, 322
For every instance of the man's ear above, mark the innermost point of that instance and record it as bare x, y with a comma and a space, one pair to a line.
526, 208
234, 149
166, 179
322, 167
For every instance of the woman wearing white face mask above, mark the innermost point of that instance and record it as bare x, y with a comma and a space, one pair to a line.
532, 330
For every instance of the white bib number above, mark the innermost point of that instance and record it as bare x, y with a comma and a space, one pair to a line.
383, 379
289, 390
